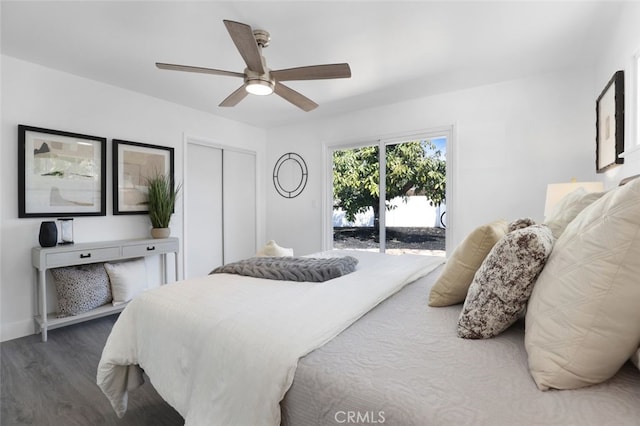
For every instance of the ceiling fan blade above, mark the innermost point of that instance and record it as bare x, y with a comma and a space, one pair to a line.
242, 36
201, 70
313, 72
295, 98
235, 97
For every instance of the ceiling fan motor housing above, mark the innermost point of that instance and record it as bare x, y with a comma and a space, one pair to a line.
262, 37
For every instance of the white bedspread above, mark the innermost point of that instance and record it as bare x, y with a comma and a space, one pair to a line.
223, 349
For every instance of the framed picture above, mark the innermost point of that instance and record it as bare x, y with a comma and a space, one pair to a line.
60, 173
610, 124
133, 163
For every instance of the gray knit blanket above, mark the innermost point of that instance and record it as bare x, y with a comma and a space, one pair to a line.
291, 268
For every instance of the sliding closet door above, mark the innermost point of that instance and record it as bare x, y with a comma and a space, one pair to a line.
203, 220
239, 205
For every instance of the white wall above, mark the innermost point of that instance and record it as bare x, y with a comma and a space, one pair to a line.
618, 54
412, 211
43, 97
510, 140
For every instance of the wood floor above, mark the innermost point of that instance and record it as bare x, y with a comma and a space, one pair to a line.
54, 383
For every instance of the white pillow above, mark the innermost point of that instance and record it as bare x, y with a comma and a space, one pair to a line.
128, 279
271, 249
568, 208
583, 317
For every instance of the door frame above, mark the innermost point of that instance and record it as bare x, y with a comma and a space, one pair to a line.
448, 131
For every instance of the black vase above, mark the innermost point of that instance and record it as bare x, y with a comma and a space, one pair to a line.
48, 234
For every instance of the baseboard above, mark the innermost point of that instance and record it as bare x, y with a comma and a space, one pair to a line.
17, 329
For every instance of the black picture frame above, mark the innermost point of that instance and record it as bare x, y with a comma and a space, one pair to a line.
60, 173
133, 163
610, 124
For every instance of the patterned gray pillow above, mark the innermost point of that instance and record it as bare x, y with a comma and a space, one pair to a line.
81, 288
502, 286
523, 222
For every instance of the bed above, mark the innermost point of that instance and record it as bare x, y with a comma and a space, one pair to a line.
215, 345
403, 364
366, 348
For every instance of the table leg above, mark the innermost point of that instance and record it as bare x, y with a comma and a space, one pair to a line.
163, 264
42, 282
175, 258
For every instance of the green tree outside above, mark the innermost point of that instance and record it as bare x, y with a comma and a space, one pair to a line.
415, 166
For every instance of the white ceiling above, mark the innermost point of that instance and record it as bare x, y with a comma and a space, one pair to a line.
397, 50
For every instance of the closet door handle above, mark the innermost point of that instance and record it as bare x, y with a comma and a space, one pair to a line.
85, 256
152, 248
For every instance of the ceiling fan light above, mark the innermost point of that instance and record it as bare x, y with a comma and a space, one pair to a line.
259, 87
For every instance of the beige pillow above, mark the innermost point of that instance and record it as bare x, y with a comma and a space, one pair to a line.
457, 274
583, 318
271, 249
568, 208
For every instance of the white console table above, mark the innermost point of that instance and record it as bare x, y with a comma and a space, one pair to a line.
79, 254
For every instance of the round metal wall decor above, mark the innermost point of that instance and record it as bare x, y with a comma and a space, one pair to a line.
290, 175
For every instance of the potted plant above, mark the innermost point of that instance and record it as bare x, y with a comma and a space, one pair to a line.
161, 201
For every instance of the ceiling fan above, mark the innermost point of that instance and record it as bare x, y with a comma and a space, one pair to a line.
260, 80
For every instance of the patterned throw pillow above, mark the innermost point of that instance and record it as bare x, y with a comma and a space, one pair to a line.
521, 223
81, 288
502, 286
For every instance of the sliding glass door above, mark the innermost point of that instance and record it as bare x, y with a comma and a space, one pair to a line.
390, 196
356, 199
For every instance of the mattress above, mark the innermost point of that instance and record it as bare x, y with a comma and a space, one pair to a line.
402, 364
